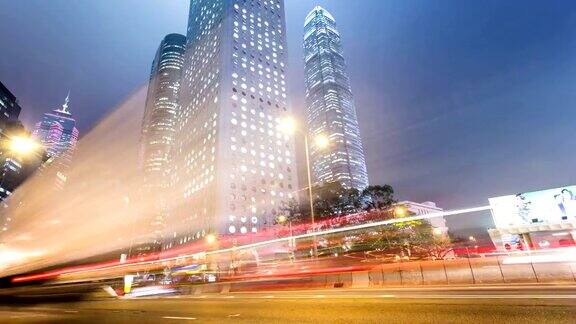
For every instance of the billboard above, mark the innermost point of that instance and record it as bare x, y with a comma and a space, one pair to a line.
544, 207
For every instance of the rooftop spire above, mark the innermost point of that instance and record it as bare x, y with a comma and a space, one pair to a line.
64, 108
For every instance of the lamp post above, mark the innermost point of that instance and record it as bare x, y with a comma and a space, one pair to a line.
282, 220
289, 126
471, 239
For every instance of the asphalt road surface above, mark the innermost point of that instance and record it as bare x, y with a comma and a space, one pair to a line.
526, 304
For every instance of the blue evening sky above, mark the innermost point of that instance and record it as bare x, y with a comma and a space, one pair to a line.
457, 100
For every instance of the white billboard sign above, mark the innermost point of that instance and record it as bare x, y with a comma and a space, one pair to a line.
544, 207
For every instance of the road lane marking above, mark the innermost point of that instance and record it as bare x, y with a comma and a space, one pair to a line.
70, 311
180, 318
319, 296
28, 315
234, 315
386, 296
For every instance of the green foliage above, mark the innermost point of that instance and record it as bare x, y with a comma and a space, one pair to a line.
292, 210
378, 197
332, 199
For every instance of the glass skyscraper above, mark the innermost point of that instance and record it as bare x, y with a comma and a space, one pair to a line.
330, 105
235, 168
58, 134
159, 127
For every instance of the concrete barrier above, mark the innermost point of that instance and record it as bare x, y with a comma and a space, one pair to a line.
360, 279
433, 273
487, 271
459, 272
558, 273
518, 273
375, 278
440, 272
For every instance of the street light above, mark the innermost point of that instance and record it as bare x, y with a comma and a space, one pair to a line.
282, 219
210, 238
322, 141
289, 126
400, 211
22, 145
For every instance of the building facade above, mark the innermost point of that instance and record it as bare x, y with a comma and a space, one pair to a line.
235, 169
330, 105
159, 127
15, 167
10, 164
426, 208
58, 134
9, 107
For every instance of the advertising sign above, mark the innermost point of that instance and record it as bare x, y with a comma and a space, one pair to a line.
544, 207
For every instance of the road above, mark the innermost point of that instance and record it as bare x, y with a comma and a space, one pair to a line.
520, 304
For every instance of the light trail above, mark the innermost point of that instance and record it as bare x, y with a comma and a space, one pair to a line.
118, 265
348, 229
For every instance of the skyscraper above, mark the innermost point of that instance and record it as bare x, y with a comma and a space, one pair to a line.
159, 126
9, 107
10, 164
330, 105
18, 160
235, 168
58, 134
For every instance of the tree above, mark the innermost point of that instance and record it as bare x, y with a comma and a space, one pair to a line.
332, 199
411, 239
378, 197
292, 210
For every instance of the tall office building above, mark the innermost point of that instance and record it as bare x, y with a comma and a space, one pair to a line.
12, 169
15, 167
235, 168
9, 107
58, 134
330, 105
159, 126
10, 164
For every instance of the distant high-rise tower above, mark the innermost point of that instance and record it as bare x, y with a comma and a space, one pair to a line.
235, 168
159, 125
58, 134
330, 105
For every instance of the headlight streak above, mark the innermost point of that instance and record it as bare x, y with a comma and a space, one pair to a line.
157, 258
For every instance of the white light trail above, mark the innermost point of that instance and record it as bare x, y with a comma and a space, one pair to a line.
349, 228
543, 256
307, 235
